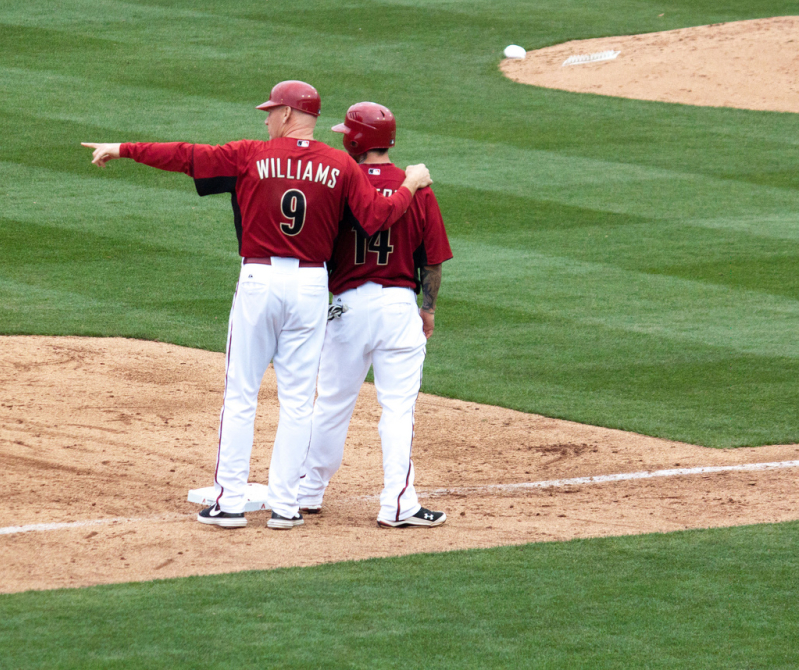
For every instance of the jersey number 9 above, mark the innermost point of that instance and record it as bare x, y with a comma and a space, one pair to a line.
292, 206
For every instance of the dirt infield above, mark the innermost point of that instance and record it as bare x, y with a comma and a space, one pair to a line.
745, 64
116, 431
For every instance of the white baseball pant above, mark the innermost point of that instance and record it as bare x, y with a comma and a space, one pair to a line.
382, 327
278, 315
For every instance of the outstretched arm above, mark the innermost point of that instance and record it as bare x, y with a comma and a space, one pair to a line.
196, 160
431, 282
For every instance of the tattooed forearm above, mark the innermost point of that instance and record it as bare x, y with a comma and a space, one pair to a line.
431, 282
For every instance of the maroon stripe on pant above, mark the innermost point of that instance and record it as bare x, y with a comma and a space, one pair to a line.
222, 418
407, 478
413, 425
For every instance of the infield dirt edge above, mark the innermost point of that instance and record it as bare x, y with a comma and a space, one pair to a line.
121, 429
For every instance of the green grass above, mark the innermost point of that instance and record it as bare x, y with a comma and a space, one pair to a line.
622, 263
722, 598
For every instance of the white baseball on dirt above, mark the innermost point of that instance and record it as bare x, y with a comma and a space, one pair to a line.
514, 51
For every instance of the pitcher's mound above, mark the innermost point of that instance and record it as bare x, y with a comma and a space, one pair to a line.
745, 64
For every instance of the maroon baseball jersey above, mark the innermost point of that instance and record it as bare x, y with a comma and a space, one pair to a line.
291, 193
390, 257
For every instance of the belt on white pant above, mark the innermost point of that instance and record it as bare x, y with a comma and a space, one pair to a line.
373, 289
268, 261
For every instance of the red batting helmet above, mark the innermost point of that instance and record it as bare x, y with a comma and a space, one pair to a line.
367, 126
295, 94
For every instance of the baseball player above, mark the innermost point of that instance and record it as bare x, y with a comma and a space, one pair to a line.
374, 320
290, 193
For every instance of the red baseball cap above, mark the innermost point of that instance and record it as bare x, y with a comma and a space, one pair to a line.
295, 94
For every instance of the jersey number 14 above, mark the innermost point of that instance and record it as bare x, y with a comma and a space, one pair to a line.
379, 243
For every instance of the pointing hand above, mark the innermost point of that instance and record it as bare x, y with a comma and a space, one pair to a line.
102, 152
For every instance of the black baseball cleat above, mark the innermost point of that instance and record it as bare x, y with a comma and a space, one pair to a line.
311, 509
278, 522
216, 517
424, 517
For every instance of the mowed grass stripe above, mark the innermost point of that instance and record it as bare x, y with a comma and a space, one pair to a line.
28, 309
620, 188
125, 286
131, 109
777, 226
240, 42
599, 294
177, 221
652, 245
626, 380
702, 599
130, 22
622, 240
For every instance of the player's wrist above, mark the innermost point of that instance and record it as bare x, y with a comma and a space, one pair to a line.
410, 185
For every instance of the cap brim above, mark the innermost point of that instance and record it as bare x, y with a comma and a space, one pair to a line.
340, 128
267, 106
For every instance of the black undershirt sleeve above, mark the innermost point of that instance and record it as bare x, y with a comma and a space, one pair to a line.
350, 220
216, 185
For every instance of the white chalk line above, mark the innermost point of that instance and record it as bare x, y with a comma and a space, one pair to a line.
602, 479
551, 483
38, 527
